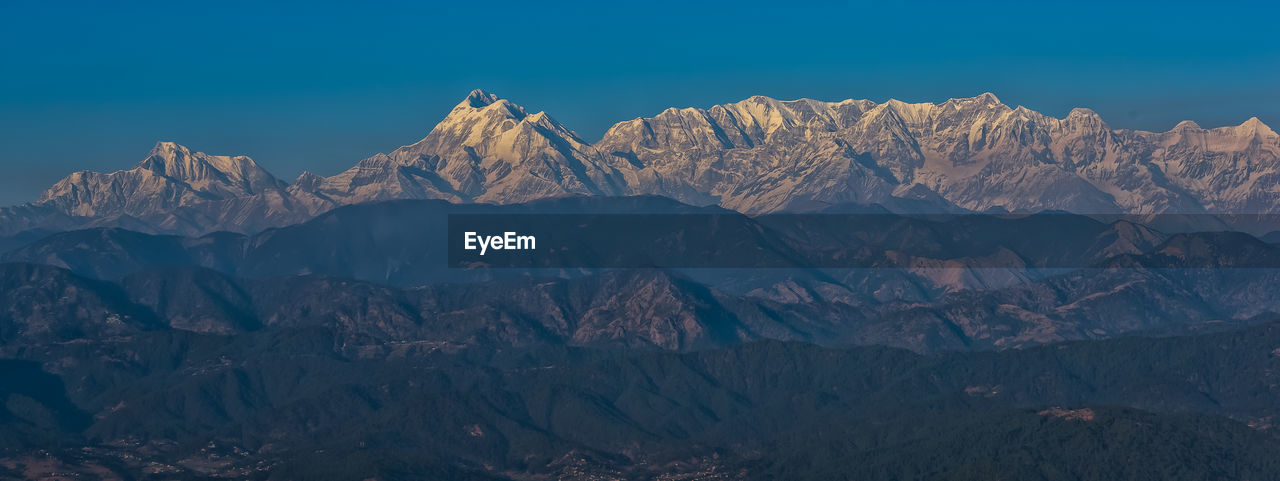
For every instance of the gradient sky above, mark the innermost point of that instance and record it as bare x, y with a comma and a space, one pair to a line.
318, 86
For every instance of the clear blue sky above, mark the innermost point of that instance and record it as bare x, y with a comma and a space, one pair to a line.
315, 86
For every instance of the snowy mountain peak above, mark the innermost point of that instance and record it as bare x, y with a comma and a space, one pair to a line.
168, 177
487, 149
756, 155
988, 98
911, 113
204, 172
479, 99
984, 100
1082, 119
481, 105
167, 148
1081, 112
164, 156
1254, 126
307, 181
174, 160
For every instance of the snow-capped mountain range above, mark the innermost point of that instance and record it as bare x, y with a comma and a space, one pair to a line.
755, 156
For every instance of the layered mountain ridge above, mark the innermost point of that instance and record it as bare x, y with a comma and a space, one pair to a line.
759, 155
333, 338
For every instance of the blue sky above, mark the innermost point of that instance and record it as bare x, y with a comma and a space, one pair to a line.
318, 86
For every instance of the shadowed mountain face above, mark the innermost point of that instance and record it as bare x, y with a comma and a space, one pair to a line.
45, 304
378, 273
648, 309
764, 155
756, 156
402, 243
408, 243
283, 402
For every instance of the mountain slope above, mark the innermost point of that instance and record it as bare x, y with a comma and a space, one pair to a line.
170, 176
759, 155
172, 190
765, 155
283, 401
47, 304
486, 150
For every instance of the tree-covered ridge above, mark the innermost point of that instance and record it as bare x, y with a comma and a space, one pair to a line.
284, 403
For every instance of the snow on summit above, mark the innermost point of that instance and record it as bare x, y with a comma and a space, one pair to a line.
757, 155
169, 176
